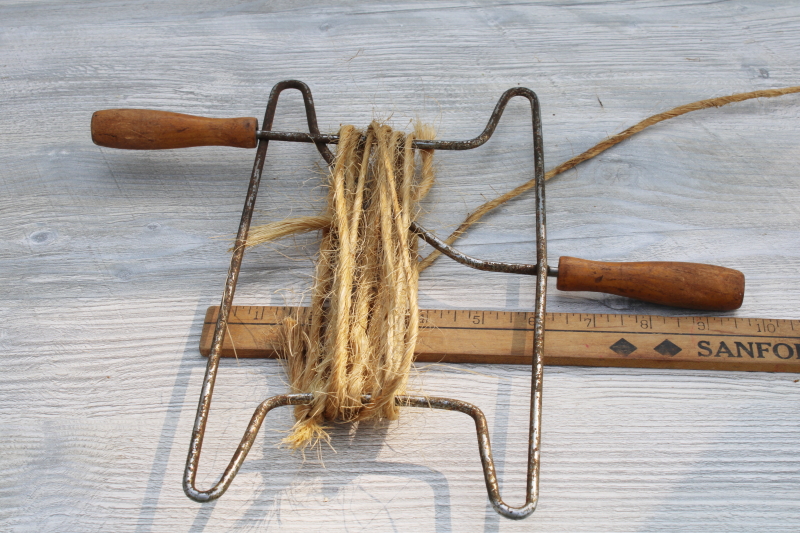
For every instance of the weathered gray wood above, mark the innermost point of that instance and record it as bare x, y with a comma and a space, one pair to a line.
109, 259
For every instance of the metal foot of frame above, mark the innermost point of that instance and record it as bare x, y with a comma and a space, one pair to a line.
448, 404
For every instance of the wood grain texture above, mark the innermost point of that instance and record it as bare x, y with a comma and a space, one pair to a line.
146, 129
573, 339
672, 283
110, 258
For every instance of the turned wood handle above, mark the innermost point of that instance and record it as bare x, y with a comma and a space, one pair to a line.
689, 285
144, 129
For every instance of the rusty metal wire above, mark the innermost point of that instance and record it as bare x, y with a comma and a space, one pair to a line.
478, 264
540, 270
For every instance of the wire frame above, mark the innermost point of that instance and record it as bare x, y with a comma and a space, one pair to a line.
484, 446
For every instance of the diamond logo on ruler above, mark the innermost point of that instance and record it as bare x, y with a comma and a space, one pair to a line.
667, 348
623, 347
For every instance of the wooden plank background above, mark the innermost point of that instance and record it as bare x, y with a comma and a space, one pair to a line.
109, 259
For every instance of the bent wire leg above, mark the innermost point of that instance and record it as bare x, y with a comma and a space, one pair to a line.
246, 443
534, 433
485, 451
448, 404
541, 270
204, 405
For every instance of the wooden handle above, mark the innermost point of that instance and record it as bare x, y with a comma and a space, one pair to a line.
689, 285
144, 129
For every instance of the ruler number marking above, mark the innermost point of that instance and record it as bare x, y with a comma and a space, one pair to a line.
768, 328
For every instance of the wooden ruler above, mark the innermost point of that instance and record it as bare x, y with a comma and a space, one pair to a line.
506, 337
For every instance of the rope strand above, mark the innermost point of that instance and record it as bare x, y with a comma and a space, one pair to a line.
599, 148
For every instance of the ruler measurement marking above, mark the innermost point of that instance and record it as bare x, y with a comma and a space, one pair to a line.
475, 336
599, 332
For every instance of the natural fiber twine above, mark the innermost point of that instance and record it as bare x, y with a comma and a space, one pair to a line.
599, 148
360, 334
